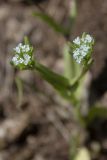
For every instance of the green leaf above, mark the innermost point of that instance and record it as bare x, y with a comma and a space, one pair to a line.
60, 83
20, 91
51, 22
73, 14
73, 9
74, 145
72, 69
26, 40
96, 112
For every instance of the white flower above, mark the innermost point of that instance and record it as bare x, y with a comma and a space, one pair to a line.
23, 56
77, 41
20, 45
78, 55
17, 50
83, 49
25, 48
88, 38
21, 60
22, 48
15, 59
26, 59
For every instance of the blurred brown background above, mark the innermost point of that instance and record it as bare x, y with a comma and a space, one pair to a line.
36, 125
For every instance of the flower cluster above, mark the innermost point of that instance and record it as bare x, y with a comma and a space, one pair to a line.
23, 56
22, 48
82, 48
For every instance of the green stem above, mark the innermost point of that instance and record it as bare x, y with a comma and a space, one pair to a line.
60, 83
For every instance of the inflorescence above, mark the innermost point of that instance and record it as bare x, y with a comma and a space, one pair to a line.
82, 48
23, 56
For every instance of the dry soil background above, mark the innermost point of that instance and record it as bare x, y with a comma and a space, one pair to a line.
38, 126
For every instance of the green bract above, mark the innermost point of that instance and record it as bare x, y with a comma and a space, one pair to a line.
23, 58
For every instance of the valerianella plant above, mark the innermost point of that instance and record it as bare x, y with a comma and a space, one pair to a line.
81, 50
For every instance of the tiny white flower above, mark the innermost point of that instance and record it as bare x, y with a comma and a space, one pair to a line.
85, 48
23, 56
21, 60
15, 59
83, 53
17, 50
27, 48
22, 48
76, 52
77, 41
88, 38
20, 45
82, 47
26, 59
77, 55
